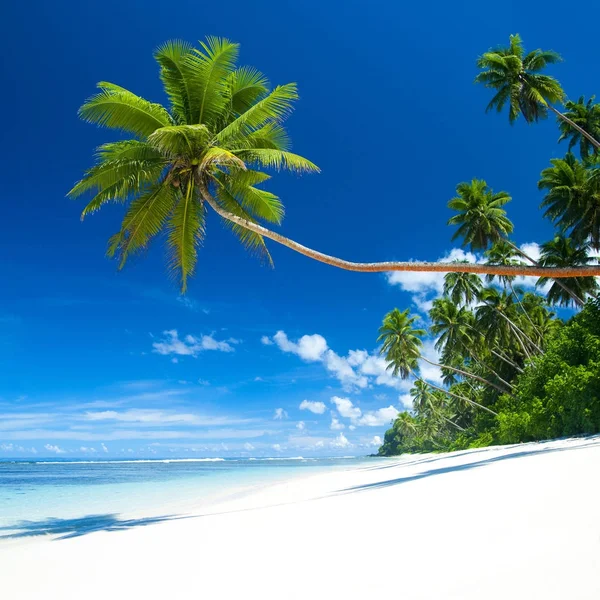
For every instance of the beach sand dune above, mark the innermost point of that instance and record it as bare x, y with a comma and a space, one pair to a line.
519, 522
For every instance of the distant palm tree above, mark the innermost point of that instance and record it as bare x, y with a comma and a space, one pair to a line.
210, 148
561, 251
480, 217
518, 81
427, 405
401, 346
483, 222
462, 288
587, 116
572, 198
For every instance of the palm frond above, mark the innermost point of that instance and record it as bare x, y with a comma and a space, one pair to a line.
278, 159
118, 108
177, 140
185, 233
144, 219
209, 70
273, 108
171, 57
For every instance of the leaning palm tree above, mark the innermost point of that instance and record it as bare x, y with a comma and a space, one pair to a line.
519, 82
572, 198
401, 346
210, 149
563, 251
429, 406
587, 116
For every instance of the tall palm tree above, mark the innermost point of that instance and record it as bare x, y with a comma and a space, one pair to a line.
480, 217
209, 149
587, 116
401, 345
572, 198
563, 251
454, 329
519, 82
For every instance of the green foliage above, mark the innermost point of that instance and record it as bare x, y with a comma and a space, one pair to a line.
221, 120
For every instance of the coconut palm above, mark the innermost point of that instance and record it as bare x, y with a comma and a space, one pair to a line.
563, 251
455, 332
462, 288
427, 405
210, 149
401, 346
480, 217
572, 198
519, 82
501, 252
587, 116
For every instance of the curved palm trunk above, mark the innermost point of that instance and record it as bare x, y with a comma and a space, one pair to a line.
507, 360
466, 374
456, 396
516, 329
512, 291
487, 367
582, 131
571, 293
381, 267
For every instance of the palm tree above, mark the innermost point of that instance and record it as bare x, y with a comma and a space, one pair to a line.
481, 219
572, 198
427, 405
462, 288
562, 251
401, 345
482, 222
210, 148
453, 327
518, 80
587, 116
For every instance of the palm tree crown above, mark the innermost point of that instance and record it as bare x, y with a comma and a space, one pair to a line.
563, 252
222, 119
587, 116
516, 77
481, 219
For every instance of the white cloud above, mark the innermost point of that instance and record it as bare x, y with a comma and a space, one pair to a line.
309, 347
336, 425
300, 425
190, 345
376, 441
314, 407
346, 408
87, 450
276, 447
248, 446
104, 448
376, 418
319, 444
343, 370
266, 340
280, 414
351, 427
340, 442
406, 400
54, 449
151, 417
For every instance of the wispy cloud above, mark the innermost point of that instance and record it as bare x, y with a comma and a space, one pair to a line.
190, 345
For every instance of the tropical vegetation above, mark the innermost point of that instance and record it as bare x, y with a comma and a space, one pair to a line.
513, 365
221, 134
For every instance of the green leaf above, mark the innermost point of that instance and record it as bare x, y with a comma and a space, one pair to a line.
118, 108
180, 140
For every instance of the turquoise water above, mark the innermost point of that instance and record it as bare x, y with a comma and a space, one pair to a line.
75, 497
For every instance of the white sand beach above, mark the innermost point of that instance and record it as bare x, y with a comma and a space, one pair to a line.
518, 522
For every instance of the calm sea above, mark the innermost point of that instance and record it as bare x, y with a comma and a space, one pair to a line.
69, 498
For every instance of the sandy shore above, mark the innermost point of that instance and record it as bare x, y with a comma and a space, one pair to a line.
520, 522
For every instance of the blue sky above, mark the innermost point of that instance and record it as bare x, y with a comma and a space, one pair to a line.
99, 362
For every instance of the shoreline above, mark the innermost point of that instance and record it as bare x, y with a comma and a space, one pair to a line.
512, 521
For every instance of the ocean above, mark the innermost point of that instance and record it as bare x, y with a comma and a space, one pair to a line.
66, 498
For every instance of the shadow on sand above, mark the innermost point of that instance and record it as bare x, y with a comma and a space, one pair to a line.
69, 528
533, 451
